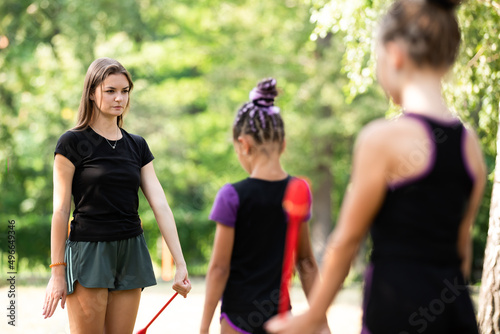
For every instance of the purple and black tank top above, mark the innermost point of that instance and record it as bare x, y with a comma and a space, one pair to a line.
253, 207
414, 283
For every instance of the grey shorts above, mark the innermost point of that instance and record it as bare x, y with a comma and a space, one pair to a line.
116, 265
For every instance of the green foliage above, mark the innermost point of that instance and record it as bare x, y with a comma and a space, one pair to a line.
193, 64
32, 233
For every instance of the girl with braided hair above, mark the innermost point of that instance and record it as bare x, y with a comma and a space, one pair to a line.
245, 269
417, 182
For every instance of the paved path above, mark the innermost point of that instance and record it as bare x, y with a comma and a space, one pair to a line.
181, 316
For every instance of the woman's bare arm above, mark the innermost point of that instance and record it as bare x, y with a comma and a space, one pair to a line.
63, 179
153, 191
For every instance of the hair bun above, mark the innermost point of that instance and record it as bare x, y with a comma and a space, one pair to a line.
265, 92
446, 4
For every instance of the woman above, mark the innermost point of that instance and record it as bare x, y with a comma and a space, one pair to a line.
416, 183
102, 267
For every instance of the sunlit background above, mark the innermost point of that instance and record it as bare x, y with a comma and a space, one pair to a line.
193, 63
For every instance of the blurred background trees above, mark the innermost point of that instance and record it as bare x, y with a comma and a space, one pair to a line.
193, 64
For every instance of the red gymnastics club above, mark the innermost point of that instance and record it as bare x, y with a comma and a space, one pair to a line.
143, 331
297, 205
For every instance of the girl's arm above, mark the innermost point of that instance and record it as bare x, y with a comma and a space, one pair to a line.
153, 191
475, 160
218, 273
361, 202
308, 268
63, 179
305, 262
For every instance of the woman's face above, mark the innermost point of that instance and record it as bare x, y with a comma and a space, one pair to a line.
112, 95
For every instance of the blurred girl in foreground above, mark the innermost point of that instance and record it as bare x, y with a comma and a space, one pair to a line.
416, 184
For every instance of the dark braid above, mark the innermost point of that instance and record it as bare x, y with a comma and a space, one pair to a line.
259, 117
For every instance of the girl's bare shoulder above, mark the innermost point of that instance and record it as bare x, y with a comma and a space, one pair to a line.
384, 131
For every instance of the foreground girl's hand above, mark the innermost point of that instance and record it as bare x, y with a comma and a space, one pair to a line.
324, 329
56, 291
301, 324
182, 284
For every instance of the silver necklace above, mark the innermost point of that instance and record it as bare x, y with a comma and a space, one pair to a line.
116, 141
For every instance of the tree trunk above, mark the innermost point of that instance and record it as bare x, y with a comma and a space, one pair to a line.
322, 206
322, 192
489, 298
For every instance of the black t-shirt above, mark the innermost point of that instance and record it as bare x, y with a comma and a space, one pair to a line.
105, 184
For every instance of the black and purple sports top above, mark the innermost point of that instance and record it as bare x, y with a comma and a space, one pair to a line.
253, 207
414, 283
420, 217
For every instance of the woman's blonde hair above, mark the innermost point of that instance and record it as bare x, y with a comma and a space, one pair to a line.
98, 71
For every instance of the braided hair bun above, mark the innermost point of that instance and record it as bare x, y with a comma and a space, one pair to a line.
259, 117
446, 4
264, 93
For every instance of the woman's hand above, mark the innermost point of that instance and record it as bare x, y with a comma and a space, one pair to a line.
182, 284
56, 291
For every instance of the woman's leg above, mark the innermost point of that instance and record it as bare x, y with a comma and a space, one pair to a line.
122, 311
87, 309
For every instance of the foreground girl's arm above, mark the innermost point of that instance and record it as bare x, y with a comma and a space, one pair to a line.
63, 178
360, 204
153, 191
218, 273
